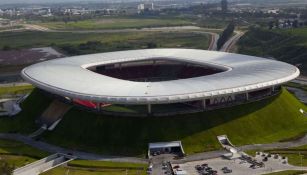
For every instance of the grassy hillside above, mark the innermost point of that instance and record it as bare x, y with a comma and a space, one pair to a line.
265, 121
286, 45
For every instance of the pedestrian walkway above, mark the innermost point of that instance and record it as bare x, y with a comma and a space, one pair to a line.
79, 154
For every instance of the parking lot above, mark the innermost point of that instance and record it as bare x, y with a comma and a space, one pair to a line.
159, 165
237, 167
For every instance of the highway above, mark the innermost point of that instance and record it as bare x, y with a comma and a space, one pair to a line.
232, 41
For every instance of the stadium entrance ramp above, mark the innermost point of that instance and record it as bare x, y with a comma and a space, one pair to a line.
44, 164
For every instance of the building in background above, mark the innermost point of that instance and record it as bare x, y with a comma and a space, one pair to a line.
145, 7
224, 5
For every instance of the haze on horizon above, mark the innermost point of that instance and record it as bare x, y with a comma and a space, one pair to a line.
73, 1
119, 1
3, 2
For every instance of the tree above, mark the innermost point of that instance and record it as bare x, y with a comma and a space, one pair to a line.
271, 25
151, 45
225, 35
295, 24
5, 168
6, 48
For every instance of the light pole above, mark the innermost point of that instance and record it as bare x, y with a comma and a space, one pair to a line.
301, 156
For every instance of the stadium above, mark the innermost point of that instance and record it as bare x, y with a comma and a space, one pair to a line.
159, 82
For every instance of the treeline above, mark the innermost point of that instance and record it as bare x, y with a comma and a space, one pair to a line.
225, 35
98, 46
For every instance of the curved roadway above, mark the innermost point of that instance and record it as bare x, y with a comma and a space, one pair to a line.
194, 157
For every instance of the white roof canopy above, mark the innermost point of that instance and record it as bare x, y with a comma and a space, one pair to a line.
69, 77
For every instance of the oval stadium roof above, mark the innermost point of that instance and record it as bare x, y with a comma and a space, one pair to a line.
70, 77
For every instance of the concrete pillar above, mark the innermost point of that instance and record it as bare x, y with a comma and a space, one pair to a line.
204, 103
70, 100
149, 108
98, 106
247, 96
273, 89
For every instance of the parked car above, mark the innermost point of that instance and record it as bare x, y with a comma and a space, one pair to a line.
176, 167
204, 165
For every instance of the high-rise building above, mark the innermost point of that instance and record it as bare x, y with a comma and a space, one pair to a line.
145, 7
224, 5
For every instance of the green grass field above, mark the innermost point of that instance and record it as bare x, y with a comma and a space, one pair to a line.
18, 154
14, 90
115, 23
91, 171
296, 155
102, 164
265, 121
85, 43
300, 32
81, 167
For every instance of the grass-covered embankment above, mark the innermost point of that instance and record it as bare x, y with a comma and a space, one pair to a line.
266, 121
274, 119
24, 122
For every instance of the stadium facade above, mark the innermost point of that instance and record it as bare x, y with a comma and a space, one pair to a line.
158, 82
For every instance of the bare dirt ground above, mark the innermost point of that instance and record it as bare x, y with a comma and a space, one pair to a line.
13, 61
28, 56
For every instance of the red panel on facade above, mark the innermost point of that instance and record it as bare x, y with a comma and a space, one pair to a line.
88, 104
